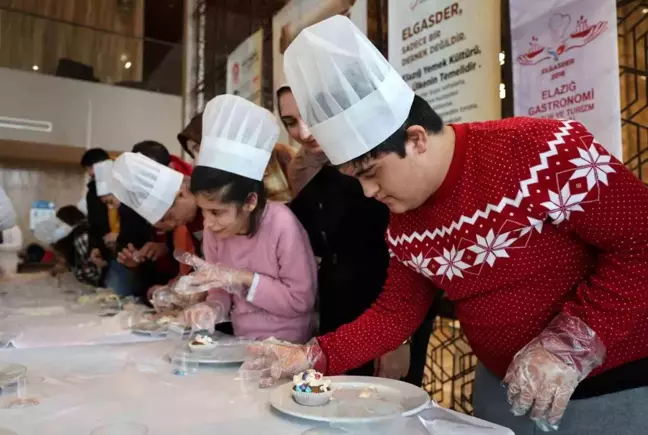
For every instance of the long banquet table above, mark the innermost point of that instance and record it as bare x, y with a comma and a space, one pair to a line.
86, 371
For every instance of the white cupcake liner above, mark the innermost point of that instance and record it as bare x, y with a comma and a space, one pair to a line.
202, 347
312, 399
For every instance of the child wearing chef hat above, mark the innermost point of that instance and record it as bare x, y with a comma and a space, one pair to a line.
260, 269
160, 195
7, 212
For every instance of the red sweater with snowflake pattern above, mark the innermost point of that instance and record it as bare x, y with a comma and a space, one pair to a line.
533, 219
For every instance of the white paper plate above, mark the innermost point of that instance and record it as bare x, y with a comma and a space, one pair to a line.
151, 332
356, 399
224, 353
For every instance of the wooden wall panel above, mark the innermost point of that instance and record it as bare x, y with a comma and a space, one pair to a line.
26, 39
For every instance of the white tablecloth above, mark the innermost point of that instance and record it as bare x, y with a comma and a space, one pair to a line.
84, 387
83, 382
38, 312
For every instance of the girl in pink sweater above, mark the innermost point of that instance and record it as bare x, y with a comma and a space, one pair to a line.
261, 268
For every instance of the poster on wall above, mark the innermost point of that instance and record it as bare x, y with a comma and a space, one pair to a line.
448, 52
40, 212
244, 69
299, 14
566, 64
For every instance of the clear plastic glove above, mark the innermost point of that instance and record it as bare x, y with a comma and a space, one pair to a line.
206, 276
164, 299
282, 358
545, 373
395, 364
204, 316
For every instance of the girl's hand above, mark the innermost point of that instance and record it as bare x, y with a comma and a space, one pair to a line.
204, 316
211, 276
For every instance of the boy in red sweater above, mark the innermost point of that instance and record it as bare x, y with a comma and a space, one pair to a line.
532, 229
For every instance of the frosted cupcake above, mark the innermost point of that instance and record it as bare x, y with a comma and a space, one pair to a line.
311, 389
202, 343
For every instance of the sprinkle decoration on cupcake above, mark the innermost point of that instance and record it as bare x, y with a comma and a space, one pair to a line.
311, 389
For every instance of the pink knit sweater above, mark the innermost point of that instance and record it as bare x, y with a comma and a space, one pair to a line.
280, 303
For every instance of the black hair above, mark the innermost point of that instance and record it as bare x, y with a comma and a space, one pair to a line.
233, 188
71, 215
153, 150
192, 131
93, 156
421, 113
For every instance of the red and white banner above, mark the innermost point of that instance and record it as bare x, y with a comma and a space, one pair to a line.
566, 64
244, 69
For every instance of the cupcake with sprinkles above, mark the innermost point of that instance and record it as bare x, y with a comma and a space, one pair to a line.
311, 389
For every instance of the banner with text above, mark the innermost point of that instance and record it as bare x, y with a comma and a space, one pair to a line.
448, 52
299, 14
566, 64
244, 69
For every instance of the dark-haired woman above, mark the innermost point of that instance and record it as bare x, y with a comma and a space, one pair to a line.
261, 271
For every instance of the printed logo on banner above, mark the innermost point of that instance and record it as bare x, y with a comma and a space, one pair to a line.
563, 38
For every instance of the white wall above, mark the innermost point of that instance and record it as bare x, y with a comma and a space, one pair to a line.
84, 114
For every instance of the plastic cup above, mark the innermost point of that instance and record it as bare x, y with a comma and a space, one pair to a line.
249, 380
183, 364
22, 398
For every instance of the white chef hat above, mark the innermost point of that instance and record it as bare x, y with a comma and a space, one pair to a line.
349, 95
144, 185
7, 212
238, 136
12, 239
103, 173
51, 230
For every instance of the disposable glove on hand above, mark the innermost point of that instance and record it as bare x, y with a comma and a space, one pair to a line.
204, 316
206, 276
544, 374
283, 359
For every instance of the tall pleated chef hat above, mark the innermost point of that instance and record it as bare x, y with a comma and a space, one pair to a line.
103, 177
348, 94
7, 212
51, 230
238, 136
12, 239
144, 185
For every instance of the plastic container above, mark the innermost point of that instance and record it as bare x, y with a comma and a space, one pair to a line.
182, 364
249, 380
